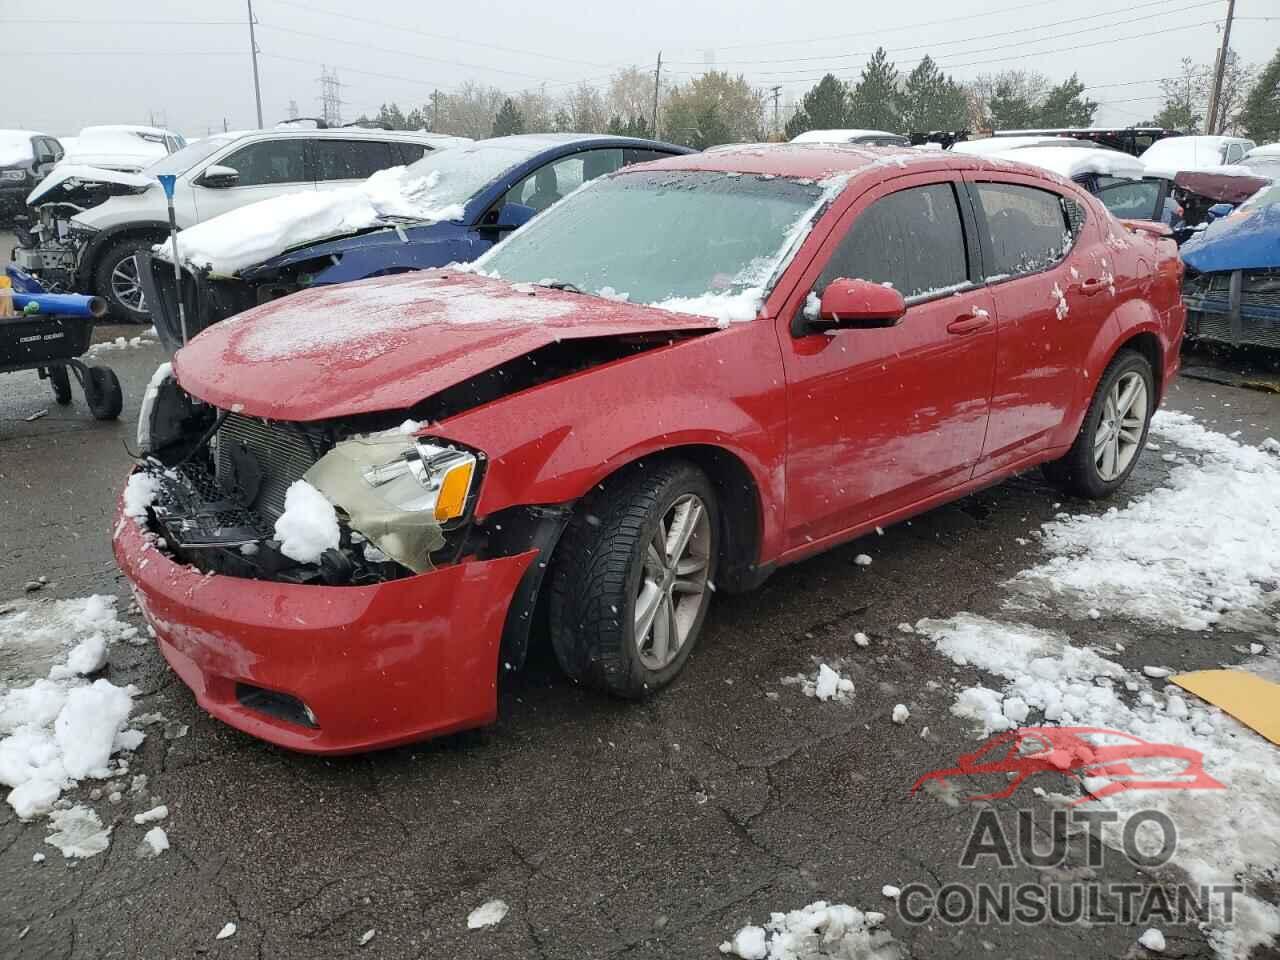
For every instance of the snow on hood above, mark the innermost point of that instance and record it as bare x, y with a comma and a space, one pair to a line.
389, 342
1173, 155
1243, 241
75, 171
1072, 162
249, 235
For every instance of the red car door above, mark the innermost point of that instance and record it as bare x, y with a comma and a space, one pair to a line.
884, 418
1046, 308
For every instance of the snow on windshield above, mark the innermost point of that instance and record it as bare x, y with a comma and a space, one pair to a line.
1175, 154
15, 147
249, 235
698, 242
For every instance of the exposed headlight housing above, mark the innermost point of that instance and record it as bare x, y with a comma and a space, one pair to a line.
12, 175
427, 477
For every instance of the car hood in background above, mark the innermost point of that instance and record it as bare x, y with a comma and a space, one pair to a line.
67, 180
390, 342
1242, 241
379, 235
1233, 187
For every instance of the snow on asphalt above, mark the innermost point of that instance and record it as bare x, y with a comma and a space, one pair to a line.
815, 931
1199, 552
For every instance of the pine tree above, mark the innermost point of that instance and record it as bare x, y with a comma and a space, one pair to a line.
1261, 114
1065, 105
1010, 109
932, 101
508, 121
875, 99
825, 107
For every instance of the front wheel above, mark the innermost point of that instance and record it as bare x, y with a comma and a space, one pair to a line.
1113, 433
103, 394
116, 279
633, 578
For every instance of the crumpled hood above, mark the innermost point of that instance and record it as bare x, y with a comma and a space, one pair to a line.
1240, 241
377, 236
75, 175
390, 342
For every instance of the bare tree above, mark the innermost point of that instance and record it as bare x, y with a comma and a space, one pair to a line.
537, 109
585, 108
1237, 79
469, 112
631, 94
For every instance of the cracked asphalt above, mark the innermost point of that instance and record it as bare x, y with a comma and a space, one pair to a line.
652, 830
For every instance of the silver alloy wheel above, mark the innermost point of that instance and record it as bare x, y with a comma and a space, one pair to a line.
126, 285
677, 561
1119, 433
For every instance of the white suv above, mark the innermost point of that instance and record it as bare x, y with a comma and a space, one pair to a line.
92, 221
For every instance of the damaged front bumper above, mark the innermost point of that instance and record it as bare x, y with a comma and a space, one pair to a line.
1235, 307
324, 669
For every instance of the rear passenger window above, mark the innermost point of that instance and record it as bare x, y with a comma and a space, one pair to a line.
912, 240
410, 152
352, 159
1028, 229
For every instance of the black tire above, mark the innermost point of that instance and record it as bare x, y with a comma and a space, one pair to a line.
60, 380
599, 570
103, 394
114, 256
1078, 472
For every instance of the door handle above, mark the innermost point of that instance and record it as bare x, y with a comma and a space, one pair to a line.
968, 324
1091, 288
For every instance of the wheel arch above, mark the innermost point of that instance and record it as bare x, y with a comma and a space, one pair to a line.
108, 238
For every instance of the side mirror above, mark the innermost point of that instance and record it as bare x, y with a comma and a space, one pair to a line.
219, 178
512, 216
1218, 211
854, 304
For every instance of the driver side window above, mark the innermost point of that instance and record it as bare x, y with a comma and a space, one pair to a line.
555, 181
269, 162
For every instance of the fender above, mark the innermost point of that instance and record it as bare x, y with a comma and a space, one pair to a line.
104, 238
725, 390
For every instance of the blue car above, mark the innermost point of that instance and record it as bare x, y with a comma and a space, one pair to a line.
1232, 284
478, 193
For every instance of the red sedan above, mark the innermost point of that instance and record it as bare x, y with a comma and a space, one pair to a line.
359, 501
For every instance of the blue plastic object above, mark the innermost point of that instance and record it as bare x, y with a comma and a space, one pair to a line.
63, 304
167, 180
22, 281
1245, 241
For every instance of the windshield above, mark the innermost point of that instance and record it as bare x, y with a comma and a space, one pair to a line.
456, 174
686, 240
183, 160
1263, 166
1263, 198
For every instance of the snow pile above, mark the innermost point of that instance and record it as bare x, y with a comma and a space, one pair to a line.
15, 147
1221, 833
1202, 550
140, 493
487, 914
78, 832
62, 729
122, 343
826, 684
725, 308
154, 842
816, 931
309, 525
251, 234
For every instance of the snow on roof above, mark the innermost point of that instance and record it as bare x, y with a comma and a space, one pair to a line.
15, 146
1072, 162
108, 146
1264, 150
108, 128
988, 145
839, 136
251, 234
1174, 154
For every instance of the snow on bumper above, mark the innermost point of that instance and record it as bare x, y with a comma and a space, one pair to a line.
376, 666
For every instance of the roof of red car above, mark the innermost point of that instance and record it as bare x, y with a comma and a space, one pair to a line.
816, 160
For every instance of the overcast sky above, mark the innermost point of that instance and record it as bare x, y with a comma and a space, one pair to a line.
82, 62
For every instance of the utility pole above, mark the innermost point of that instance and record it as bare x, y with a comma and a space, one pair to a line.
253, 51
1215, 96
777, 94
657, 76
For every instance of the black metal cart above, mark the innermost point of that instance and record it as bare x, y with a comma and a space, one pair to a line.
52, 345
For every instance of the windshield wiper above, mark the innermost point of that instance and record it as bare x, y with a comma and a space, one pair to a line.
562, 285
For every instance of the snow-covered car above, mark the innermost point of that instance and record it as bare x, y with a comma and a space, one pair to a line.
123, 147
868, 138
26, 157
90, 222
1263, 161
1121, 181
353, 505
448, 207
1173, 155
1232, 284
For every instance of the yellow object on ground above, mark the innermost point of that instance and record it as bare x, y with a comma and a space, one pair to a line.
1253, 701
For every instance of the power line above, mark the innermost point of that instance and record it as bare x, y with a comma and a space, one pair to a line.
68, 21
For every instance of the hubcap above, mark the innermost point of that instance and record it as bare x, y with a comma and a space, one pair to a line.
1124, 414
677, 561
125, 284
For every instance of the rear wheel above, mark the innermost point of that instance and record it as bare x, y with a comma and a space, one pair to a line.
633, 579
116, 280
1113, 433
103, 394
